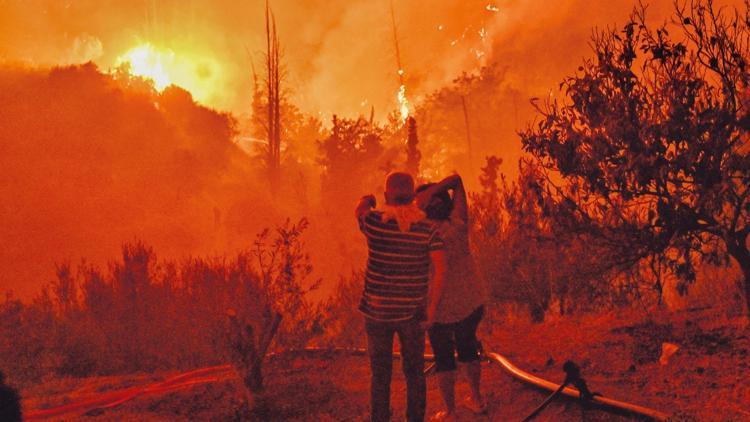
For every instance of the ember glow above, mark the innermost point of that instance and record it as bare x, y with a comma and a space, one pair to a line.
403, 103
145, 61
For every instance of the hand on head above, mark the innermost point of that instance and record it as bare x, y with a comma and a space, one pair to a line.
423, 197
435, 201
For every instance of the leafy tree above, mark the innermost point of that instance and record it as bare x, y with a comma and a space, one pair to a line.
143, 314
354, 160
472, 113
344, 325
285, 271
650, 142
520, 252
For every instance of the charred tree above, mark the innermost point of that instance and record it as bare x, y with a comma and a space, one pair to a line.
267, 99
273, 86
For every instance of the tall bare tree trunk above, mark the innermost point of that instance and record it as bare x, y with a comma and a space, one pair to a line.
273, 87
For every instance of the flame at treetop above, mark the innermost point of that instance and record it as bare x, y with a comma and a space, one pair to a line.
403, 103
146, 62
197, 73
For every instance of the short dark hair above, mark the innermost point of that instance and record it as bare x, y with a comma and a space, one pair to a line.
399, 186
440, 206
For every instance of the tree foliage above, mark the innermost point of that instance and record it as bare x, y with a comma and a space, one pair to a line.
650, 143
354, 160
459, 123
143, 314
522, 255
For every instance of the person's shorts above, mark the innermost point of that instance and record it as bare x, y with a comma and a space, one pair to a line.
461, 337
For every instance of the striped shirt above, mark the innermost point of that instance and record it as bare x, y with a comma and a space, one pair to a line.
398, 267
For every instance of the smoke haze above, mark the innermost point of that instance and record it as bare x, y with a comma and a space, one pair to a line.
340, 55
86, 165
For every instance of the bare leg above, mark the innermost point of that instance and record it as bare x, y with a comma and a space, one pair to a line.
473, 371
468, 356
447, 382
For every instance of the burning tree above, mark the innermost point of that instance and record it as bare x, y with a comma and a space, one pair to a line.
651, 141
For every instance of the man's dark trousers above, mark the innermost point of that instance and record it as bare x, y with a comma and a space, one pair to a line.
380, 348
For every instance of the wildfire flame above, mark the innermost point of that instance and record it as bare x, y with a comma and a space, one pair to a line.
147, 62
403, 103
197, 73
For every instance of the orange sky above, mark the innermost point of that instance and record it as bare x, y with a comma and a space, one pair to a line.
339, 53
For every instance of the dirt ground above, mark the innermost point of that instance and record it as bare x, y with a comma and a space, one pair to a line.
305, 389
705, 380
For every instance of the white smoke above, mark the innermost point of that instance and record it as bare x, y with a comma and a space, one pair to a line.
85, 48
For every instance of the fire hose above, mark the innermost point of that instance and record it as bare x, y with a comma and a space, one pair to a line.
573, 377
583, 394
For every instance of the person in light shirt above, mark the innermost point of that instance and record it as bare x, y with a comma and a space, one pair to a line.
458, 301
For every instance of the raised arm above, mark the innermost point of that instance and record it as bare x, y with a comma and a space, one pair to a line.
460, 207
365, 204
450, 182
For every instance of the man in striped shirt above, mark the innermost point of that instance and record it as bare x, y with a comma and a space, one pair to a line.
401, 244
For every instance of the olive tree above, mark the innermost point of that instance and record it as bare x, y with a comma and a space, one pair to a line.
649, 145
